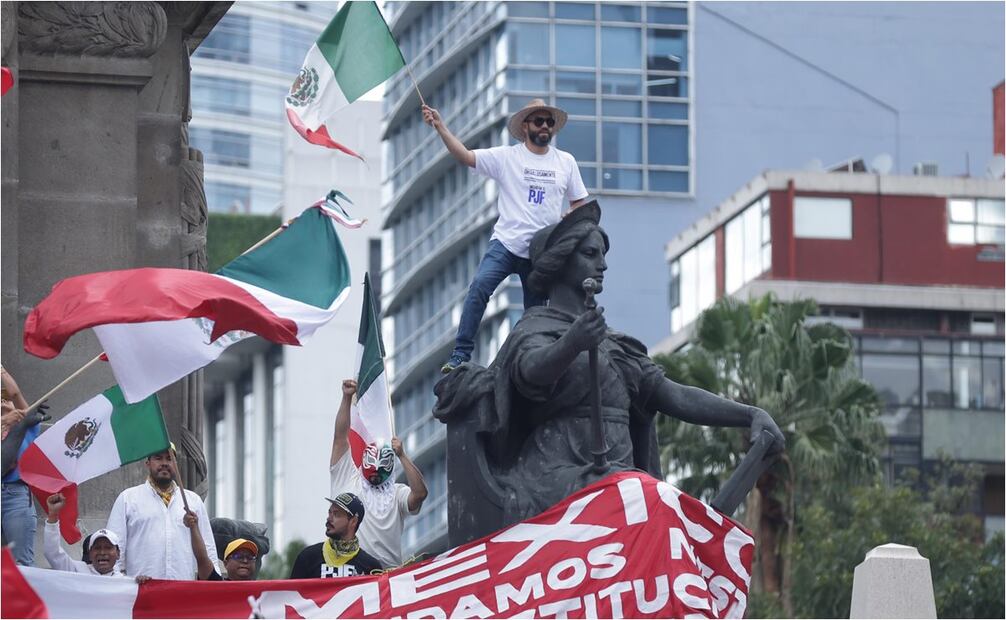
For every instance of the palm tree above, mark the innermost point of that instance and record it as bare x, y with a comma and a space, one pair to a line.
763, 353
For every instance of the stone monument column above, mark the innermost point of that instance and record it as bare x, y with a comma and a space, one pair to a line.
98, 175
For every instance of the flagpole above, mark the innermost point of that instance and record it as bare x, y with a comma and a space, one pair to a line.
178, 477
63, 383
414, 83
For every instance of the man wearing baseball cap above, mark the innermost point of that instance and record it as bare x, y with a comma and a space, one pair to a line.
534, 180
340, 554
104, 548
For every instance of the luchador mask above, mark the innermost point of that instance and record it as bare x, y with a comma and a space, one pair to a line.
378, 463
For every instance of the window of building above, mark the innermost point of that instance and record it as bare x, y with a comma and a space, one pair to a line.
574, 10
622, 143
693, 283
227, 197
223, 148
621, 48
575, 46
621, 84
619, 12
822, 218
576, 106
621, 107
658, 85
975, 221
578, 138
532, 80
670, 111
666, 50
528, 43
622, 178
575, 82
665, 181
221, 95
748, 251
229, 40
667, 15
843, 317
527, 9
668, 145
983, 324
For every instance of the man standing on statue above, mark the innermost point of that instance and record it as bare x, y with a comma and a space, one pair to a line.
534, 181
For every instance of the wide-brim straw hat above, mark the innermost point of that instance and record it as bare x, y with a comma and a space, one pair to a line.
535, 105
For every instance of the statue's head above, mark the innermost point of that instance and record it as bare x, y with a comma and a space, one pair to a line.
570, 251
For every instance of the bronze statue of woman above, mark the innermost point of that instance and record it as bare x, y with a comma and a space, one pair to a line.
536, 429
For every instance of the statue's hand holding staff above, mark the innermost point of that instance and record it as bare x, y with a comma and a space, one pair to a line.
588, 330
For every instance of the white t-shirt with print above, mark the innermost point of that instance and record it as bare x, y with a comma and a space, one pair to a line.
533, 190
385, 507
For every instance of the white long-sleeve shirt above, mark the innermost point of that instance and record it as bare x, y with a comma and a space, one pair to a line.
153, 539
60, 560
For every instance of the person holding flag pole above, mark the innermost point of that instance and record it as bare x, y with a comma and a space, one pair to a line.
363, 460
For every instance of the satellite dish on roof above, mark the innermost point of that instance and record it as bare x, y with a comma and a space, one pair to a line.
882, 164
814, 165
996, 167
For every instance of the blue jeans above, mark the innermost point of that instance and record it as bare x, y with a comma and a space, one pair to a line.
496, 265
18, 521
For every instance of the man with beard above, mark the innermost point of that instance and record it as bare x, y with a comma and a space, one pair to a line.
387, 502
340, 554
149, 521
534, 180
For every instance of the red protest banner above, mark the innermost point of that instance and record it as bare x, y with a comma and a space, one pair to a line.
627, 546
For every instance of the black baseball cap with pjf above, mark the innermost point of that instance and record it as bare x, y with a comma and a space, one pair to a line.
350, 503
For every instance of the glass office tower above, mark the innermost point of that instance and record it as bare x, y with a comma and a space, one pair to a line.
622, 73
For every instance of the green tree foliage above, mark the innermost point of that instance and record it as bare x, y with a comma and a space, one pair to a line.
763, 353
230, 234
279, 565
968, 574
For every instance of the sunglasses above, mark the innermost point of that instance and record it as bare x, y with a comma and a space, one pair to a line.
538, 121
241, 557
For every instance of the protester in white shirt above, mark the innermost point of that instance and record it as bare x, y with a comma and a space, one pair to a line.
534, 180
149, 521
104, 546
386, 502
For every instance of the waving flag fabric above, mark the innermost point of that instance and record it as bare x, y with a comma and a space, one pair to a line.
158, 325
627, 546
355, 53
103, 434
370, 418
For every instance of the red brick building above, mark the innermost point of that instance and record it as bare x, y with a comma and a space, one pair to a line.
911, 265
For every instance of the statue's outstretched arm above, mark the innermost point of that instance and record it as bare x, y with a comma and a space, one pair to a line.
697, 406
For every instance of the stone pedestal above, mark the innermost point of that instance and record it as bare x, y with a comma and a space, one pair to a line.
894, 581
98, 175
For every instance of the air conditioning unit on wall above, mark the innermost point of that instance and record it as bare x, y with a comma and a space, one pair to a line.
925, 169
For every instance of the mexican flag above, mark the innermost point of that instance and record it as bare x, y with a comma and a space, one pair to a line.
370, 417
158, 325
355, 53
103, 434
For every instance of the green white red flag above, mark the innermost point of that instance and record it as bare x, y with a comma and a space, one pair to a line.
97, 437
370, 418
355, 53
158, 325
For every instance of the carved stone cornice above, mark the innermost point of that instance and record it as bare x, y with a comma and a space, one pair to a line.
123, 29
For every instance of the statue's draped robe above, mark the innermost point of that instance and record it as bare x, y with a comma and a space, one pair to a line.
538, 438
